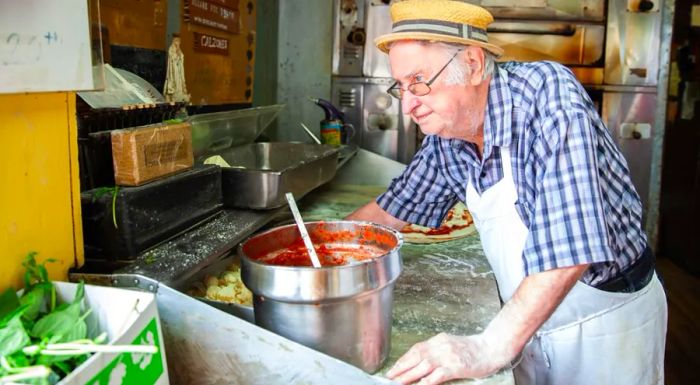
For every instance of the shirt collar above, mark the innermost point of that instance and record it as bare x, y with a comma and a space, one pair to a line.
498, 116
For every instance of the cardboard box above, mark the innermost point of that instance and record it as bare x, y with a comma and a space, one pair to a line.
129, 318
146, 153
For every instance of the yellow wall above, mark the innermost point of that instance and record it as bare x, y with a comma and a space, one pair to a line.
39, 184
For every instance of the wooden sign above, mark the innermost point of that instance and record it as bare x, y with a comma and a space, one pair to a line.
214, 14
210, 44
227, 3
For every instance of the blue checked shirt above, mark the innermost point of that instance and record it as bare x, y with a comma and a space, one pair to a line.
574, 190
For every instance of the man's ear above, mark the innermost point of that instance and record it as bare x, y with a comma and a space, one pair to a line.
475, 59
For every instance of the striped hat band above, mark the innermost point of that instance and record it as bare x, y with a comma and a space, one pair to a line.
441, 27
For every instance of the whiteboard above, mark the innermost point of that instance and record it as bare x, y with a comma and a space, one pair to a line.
45, 46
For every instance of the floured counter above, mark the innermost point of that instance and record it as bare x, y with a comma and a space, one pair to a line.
445, 287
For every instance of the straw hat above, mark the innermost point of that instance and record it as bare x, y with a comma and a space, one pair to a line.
447, 21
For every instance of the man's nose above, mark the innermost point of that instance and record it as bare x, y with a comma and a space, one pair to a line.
409, 102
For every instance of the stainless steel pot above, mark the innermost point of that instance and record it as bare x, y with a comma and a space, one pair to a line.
344, 311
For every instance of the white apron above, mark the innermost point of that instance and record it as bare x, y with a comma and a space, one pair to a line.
593, 337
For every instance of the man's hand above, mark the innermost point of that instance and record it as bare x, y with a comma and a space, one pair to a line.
446, 357
373, 213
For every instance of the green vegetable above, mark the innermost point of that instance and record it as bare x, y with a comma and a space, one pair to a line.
100, 191
8, 305
34, 300
40, 341
59, 325
13, 337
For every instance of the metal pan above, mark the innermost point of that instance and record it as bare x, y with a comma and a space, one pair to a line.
259, 174
240, 311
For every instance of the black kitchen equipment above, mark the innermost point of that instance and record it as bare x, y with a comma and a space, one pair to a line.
123, 226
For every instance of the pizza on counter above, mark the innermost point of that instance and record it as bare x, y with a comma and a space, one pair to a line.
457, 224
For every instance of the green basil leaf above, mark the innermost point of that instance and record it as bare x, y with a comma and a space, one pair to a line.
19, 360
43, 273
8, 317
65, 367
62, 306
34, 300
79, 332
30, 266
8, 302
58, 323
13, 337
79, 293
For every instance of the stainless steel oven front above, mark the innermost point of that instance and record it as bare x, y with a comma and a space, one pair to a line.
380, 126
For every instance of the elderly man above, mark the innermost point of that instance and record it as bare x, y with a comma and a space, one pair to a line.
560, 222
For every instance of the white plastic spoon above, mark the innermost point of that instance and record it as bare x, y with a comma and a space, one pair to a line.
302, 230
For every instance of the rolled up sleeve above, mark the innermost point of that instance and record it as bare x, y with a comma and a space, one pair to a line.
568, 223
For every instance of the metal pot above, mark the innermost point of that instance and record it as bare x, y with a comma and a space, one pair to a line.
344, 311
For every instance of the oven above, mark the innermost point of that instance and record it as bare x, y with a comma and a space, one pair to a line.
361, 77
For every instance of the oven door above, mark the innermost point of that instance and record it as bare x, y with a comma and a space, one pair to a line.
583, 10
379, 125
578, 45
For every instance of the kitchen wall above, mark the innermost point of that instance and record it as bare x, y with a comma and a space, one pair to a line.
303, 65
266, 38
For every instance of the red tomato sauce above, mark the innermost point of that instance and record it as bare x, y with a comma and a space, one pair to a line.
436, 231
333, 247
328, 255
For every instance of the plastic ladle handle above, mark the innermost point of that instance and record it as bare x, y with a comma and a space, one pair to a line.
302, 230
311, 134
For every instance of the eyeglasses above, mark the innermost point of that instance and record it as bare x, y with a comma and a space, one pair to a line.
418, 88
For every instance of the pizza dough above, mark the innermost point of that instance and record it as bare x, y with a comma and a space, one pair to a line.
457, 224
226, 287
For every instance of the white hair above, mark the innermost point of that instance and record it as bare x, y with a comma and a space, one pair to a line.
457, 72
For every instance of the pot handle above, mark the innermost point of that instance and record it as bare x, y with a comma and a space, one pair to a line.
349, 130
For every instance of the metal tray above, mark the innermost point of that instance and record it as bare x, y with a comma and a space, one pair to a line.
219, 131
261, 173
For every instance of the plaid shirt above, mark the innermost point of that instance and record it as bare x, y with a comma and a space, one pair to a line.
574, 190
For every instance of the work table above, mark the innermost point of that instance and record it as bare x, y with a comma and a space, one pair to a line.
444, 287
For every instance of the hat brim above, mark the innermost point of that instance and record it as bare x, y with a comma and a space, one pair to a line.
382, 42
